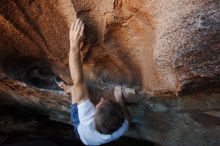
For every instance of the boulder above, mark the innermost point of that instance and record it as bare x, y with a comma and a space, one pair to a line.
168, 51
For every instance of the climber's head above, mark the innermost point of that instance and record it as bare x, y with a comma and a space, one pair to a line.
109, 116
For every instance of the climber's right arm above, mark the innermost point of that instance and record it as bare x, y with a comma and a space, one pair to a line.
80, 90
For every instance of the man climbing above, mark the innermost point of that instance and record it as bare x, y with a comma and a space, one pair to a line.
94, 125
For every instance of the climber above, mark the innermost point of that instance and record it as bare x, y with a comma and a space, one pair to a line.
94, 125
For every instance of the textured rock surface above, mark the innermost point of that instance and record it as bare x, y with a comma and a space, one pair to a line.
160, 48
20, 124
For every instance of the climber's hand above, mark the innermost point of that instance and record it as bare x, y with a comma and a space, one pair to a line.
118, 94
76, 34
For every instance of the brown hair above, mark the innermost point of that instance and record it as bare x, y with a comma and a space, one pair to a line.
109, 117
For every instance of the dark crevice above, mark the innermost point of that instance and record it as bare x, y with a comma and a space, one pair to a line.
32, 71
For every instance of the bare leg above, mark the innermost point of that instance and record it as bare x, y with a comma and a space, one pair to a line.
66, 88
69, 90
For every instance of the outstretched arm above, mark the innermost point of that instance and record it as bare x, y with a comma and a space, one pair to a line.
80, 92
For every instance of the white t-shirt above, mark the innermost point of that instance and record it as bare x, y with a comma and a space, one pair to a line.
86, 129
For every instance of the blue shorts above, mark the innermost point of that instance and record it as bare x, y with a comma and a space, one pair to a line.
75, 119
